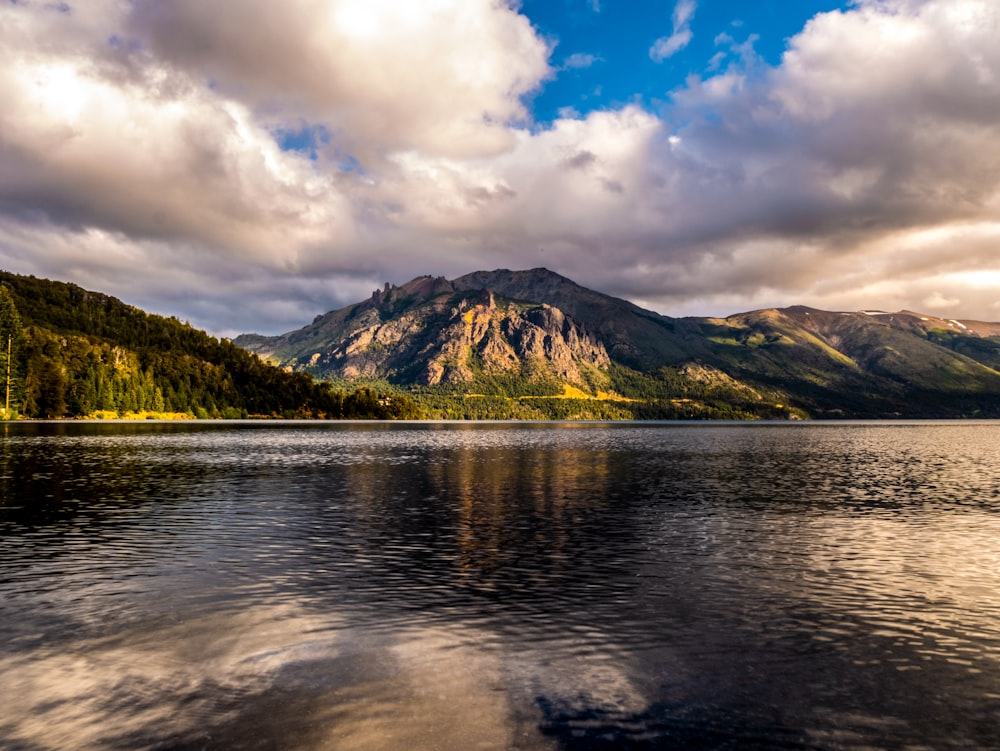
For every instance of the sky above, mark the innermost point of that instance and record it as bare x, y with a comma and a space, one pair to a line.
246, 165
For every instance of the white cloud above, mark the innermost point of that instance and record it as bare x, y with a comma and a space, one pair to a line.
864, 165
152, 126
665, 47
444, 76
668, 46
579, 60
683, 13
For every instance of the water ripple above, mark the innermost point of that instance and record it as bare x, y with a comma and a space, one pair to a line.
578, 586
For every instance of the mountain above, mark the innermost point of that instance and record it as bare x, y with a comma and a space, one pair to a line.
633, 336
516, 335
416, 333
865, 364
430, 331
77, 353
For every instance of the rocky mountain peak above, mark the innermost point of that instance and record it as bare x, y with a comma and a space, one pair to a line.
416, 290
430, 331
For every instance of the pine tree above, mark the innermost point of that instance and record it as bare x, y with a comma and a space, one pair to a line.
11, 354
48, 390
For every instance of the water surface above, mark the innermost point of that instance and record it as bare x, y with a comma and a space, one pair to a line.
500, 586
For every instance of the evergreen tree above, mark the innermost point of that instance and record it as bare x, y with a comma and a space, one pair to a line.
11, 354
46, 388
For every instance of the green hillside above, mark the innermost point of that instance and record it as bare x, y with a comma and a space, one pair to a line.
75, 353
861, 365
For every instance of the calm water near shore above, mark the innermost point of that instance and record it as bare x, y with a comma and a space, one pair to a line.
499, 586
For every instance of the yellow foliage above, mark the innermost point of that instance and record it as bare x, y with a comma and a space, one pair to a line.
108, 414
572, 392
569, 392
157, 416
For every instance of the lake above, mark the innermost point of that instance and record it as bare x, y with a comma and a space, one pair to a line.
214, 585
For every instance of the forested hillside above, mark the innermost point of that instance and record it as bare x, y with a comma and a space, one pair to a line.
74, 353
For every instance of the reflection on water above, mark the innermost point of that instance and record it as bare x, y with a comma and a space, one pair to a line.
500, 586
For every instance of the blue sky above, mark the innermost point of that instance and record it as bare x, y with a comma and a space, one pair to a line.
603, 50
698, 157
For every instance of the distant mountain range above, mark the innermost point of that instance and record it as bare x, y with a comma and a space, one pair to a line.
512, 336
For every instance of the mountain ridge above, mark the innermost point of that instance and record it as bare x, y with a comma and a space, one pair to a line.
510, 331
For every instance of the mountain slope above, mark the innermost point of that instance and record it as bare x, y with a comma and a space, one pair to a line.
858, 364
508, 332
900, 346
83, 353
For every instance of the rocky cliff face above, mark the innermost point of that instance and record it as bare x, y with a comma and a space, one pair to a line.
483, 337
428, 333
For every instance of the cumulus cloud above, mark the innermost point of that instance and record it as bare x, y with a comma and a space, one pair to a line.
441, 75
141, 154
156, 125
669, 46
879, 124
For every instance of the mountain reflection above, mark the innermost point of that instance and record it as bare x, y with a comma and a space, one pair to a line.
513, 504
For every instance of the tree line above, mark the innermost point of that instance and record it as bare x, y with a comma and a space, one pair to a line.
74, 353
